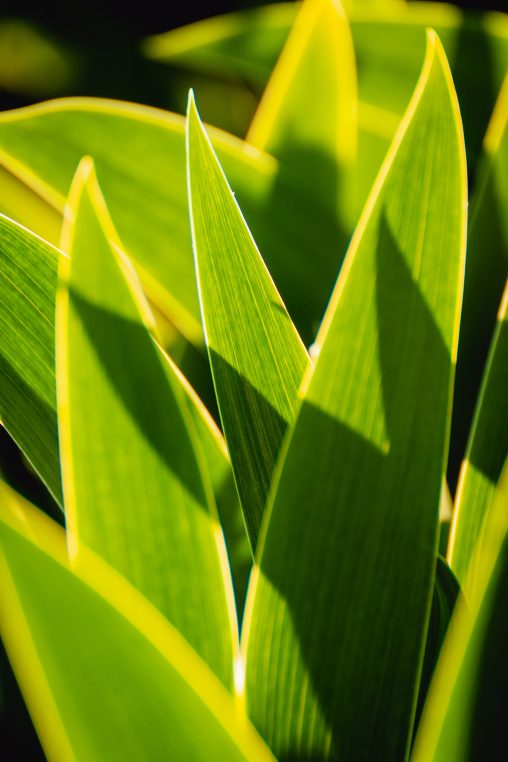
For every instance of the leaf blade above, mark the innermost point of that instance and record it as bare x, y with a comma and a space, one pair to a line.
345, 465
147, 495
256, 355
141, 685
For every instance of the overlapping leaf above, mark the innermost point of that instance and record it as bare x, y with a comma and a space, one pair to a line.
314, 137
486, 273
485, 456
337, 613
27, 354
256, 355
464, 715
389, 46
105, 676
130, 144
28, 269
133, 488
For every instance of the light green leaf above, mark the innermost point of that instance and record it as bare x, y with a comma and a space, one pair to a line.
485, 456
140, 158
22, 203
313, 135
244, 44
389, 44
464, 715
143, 692
256, 355
27, 353
219, 471
486, 273
444, 599
28, 277
347, 553
133, 488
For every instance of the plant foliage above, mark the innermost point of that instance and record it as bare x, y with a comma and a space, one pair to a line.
267, 585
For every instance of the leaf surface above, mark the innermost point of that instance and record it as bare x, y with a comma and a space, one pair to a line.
134, 489
140, 158
465, 715
389, 43
105, 676
486, 273
256, 355
485, 455
314, 136
339, 602
27, 355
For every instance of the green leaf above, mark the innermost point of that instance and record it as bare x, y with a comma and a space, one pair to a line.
444, 599
28, 270
244, 44
140, 158
19, 201
27, 354
256, 355
465, 715
389, 44
134, 490
485, 455
486, 272
143, 692
313, 135
347, 553
219, 470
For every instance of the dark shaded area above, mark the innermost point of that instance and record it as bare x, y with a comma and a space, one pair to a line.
444, 599
19, 740
10, 459
405, 326
472, 69
241, 428
18, 473
303, 260
487, 729
486, 272
103, 39
127, 355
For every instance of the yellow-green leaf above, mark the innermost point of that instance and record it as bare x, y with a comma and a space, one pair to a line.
256, 355
464, 715
133, 488
139, 153
27, 352
486, 273
347, 553
485, 455
104, 675
28, 278
313, 134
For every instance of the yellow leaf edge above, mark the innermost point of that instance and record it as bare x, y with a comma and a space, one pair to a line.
32, 525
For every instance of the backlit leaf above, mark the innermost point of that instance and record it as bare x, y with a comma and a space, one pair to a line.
256, 355
133, 488
465, 715
339, 602
138, 691
485, 455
